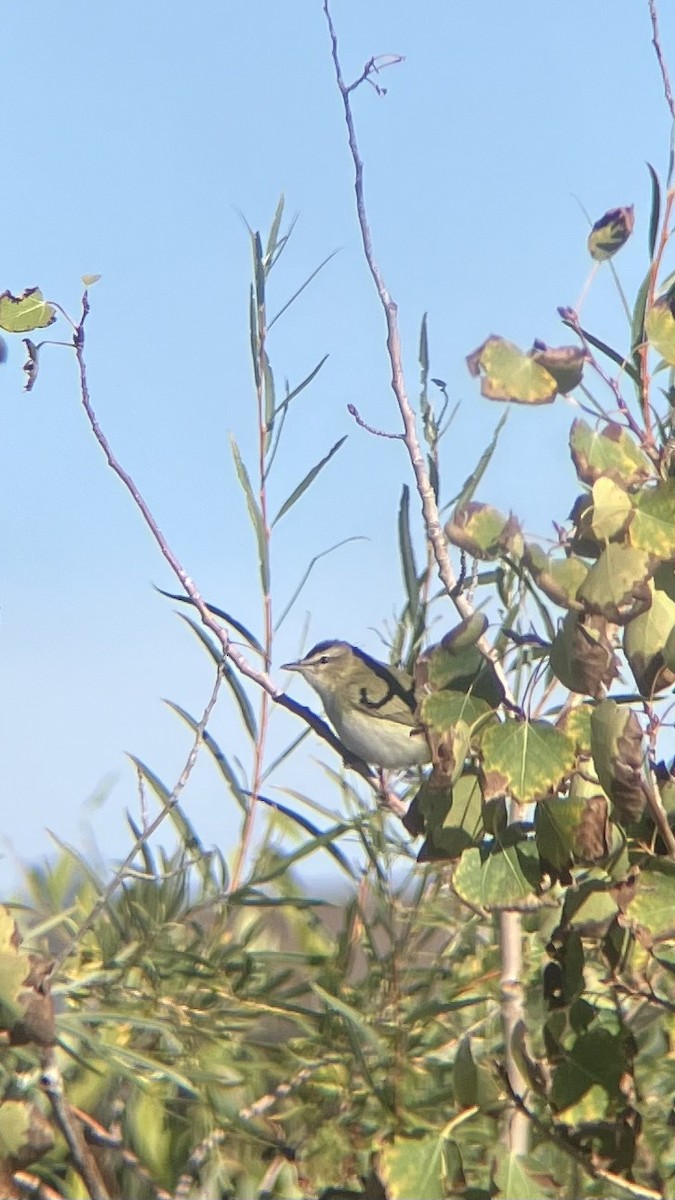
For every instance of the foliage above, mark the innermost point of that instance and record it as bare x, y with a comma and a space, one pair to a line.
192, 1028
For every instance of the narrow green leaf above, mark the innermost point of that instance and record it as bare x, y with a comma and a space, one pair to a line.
619, 359
255, 341
274, 229
255, 515
259, 269
423, 356
224, 616
655, 213
471, 482
291, 747
231, 678
637, 329
315, 832
305, 577
270, 403
353, 1017
216, 754
308, 479
164, 795
407, 554
301, 289
300, 387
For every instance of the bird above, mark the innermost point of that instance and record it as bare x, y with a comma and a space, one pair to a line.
370, 704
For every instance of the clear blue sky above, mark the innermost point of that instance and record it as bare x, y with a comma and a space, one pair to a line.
133, 137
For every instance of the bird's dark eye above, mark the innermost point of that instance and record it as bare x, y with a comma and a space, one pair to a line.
324, 660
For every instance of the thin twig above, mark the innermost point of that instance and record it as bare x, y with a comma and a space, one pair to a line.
82, 1159
430, 511
98, 1135
663, 67
354, 412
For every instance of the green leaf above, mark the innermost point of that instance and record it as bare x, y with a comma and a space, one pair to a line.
660, 327
612, 509
655, 211
256, 517
306, 574
617, 585
468, 488
653, 525
524, 758
582, 657
484, 532
599, 1058
90, 280
216, 754
273, 235
453, 817
619, 756
412, 1167
644, 642
653, 904
20, 314
308, 479
224, 616
509, 374
610, 233
407, 554
609, 451
564, 363
573, 828
512, 1177
559, 578
502, 876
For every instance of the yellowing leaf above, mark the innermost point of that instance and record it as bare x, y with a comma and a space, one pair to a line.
611, 232
608, 451
644, 642
525, 758
564, 363
20, 314
617, 585
660, 328
611, 508
509, 374
653, 524
484, 532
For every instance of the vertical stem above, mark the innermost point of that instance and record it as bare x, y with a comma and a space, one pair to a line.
263, 715
513, 1012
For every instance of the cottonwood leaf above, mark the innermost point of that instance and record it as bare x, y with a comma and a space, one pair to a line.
564, 363
619, 756
506, 373
646, 645
653, 526
20, 314
582, 656
660, 327
617, 585
612, 508
484, 532
610, 232
524, 758
559, 578
608, 451
501, 876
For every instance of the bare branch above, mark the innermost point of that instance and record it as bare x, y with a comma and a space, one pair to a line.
81, 1156
430, 510
656, 43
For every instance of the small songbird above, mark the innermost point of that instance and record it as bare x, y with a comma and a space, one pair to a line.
370, 704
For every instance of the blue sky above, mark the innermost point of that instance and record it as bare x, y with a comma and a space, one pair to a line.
134, 136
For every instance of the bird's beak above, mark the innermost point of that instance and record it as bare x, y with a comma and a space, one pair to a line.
294, 666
